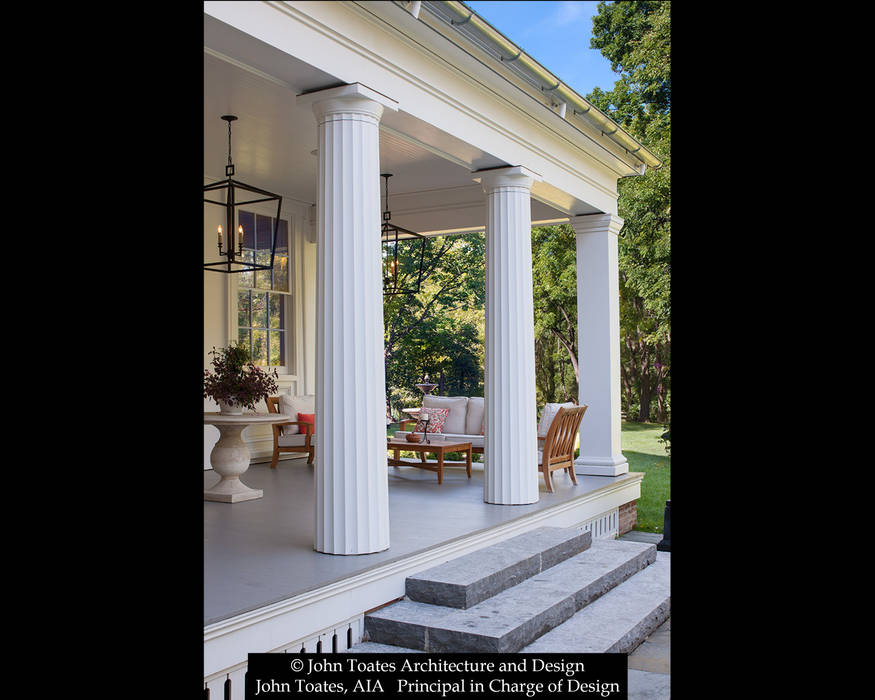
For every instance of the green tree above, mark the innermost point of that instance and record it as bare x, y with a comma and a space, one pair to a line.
554, 282
636, 38
440, 330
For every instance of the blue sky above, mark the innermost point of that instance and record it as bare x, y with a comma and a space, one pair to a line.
554, 33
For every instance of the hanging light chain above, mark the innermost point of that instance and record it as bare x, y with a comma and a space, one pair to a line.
229, 169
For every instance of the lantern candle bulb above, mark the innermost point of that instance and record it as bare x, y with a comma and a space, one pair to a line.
240, 239
219, 233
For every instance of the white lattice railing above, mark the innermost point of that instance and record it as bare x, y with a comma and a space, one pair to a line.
332, 640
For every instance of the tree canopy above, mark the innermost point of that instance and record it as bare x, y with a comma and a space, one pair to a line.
636, 38
440, 331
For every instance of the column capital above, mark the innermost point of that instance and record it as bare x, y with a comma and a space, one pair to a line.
595, 223
354, 98
511, 176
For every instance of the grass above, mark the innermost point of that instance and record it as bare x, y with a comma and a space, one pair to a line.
646, 454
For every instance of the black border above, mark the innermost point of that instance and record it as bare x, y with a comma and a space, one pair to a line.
127, 111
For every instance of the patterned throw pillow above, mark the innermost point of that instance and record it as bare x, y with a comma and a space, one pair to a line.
435, 423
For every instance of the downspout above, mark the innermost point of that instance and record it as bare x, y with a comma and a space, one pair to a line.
550, 83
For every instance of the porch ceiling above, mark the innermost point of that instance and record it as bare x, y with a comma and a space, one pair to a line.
273, 141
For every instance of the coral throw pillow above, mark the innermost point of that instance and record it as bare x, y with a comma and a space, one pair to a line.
435, 423
307, 418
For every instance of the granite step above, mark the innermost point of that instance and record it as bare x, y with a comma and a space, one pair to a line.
619, 620
375, 648
472, 578
517, 616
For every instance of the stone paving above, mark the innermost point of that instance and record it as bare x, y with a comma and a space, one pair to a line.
650, 663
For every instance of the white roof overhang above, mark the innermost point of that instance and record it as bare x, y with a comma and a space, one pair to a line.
452, 120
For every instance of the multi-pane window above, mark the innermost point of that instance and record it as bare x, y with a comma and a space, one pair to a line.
262, 295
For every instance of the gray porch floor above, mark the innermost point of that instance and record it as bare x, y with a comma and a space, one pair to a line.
260, 552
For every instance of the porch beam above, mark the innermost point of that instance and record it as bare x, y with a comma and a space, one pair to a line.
351, 489
598, 340
511, 445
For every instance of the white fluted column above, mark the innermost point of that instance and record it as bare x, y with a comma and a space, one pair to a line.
598, 342
511, 445
351, 493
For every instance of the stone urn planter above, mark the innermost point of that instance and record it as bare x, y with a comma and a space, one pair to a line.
230, 408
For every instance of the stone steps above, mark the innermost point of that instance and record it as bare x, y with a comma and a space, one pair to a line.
618, 621
513, 618
470, 579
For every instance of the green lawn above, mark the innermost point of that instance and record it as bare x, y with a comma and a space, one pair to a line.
646, 454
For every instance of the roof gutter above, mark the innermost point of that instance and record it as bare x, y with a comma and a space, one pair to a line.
549, 82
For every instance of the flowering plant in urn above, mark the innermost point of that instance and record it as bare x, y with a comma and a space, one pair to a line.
235, 382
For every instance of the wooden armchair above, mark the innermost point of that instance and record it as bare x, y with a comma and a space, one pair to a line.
301, 442
558, 452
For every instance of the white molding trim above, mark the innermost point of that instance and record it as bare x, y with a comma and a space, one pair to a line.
596, 223
484, 89
249, 69
297, 14
592, 467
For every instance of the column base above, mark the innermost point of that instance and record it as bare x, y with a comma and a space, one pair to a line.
596, 466
348, 554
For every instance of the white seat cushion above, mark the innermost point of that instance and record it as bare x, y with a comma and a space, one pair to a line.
475, 440
458, 405
476, 411
291, 406
548, 414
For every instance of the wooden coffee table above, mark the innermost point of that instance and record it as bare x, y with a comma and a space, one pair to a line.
438, 447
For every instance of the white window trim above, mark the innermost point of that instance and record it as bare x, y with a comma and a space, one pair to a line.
288, 371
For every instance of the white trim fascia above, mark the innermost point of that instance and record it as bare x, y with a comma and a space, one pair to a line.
476, 81
453, 206
249, 69
542, 96
298, 15
437, 208
484, 89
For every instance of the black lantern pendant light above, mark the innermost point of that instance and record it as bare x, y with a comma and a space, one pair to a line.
231, 237
397, 240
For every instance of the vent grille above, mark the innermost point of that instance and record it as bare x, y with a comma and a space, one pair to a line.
604, 526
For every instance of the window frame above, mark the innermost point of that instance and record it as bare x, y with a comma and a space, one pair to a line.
287, 369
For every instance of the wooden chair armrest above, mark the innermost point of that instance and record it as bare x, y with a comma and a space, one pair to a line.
306, 424
402, 424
